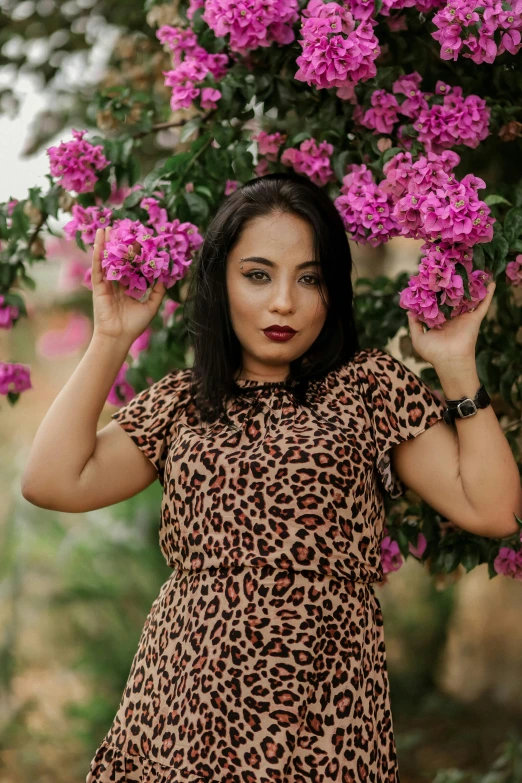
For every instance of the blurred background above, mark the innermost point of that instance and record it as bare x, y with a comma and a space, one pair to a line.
76, 588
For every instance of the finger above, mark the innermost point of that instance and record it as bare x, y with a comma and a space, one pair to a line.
484, 303
96, 270
157, 293
414, 324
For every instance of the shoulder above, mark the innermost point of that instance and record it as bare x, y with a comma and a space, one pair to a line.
375, 372
364, 362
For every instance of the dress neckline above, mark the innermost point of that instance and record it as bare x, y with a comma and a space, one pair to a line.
253, 382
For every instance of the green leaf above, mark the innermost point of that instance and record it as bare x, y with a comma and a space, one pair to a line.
198, 206
218, 163
451, 560
126, 150
86, 199
176, 163
470, 557
494, 198
102, 189
28, 281
133, 199
479, 259
205, 191
20, 222
298, 138
16, 301
491, 569
403, 542
50, 203
513, 225
389, 154
189, 129
133, 170
339, 164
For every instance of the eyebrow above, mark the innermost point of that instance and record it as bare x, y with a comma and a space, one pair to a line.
267, 262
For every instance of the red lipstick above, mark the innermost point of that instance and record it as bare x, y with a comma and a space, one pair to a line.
280, 334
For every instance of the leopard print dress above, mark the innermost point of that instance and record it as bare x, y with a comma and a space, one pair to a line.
262, 659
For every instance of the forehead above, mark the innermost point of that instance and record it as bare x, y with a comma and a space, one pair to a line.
279, 235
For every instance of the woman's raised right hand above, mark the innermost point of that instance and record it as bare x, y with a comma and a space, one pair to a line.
116, 314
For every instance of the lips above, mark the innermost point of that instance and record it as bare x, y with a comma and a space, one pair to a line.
280, 329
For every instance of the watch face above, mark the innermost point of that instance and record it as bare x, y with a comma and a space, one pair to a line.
467, 408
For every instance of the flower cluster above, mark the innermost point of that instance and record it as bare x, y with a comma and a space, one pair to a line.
366, 210
87, 220
14, 378
479, 30
121, 391
509, 562
434, 205
336, 51
312, 159
252, 24
514, 271
8, 314
192, 63
391, 557
268, 144
76, 162
137, 255
439, 126
431, 204
438, 283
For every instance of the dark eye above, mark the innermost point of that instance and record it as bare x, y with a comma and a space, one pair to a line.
252, 274
314, 278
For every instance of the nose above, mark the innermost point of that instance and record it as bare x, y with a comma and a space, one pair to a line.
282, 298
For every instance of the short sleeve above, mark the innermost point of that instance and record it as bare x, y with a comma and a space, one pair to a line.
401, 406
150, 417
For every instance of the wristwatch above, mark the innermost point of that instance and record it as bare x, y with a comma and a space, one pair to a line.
466, 406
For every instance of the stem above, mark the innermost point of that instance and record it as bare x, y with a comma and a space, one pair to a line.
37, 229
172, 124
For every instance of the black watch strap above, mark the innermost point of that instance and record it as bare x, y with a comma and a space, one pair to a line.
465, 406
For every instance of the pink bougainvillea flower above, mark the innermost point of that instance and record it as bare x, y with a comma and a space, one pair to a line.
76, 163
137, 255
9, 314
250, 25
312, 159
87, 220
141, 343
514, 271
14, 378
121, 391
231, 185
168, 309
391, 558
508, 562
365, 208
269, 144
417, 550
337, 52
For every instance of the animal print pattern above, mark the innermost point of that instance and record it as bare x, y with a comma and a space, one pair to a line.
262, 660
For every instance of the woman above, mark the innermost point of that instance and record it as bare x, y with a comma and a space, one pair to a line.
262, 658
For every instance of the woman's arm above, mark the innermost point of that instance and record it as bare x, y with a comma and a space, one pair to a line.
467, 473
71, 467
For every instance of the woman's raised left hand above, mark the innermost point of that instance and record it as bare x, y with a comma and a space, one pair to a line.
456, 339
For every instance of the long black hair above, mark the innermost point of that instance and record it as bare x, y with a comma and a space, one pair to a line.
216, 349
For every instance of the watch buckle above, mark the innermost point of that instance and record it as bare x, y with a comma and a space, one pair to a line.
466, 415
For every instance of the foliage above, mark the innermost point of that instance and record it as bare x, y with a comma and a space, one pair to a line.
251, 112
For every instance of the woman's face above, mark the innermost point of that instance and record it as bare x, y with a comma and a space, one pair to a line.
280, 286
